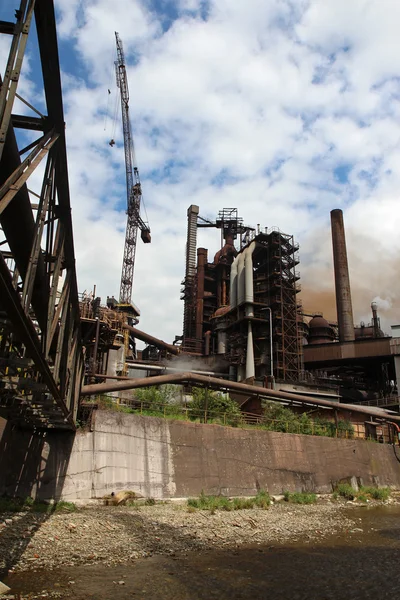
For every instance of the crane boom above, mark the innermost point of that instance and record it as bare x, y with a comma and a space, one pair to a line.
133, 186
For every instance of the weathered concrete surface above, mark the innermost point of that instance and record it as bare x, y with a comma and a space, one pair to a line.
166, 459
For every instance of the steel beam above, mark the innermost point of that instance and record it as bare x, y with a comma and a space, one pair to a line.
38, 246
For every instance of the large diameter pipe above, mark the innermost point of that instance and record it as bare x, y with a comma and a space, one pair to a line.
250, 367
240, 278
221, 341
342, 279
201, 264
149, 339
227, 385
233, 283
249, 286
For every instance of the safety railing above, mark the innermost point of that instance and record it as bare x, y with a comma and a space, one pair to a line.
301, 424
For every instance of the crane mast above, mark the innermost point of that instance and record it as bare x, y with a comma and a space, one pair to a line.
133, 186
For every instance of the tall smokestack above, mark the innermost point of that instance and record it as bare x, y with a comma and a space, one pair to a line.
342, 280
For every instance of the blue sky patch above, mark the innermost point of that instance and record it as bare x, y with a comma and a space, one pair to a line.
342, 172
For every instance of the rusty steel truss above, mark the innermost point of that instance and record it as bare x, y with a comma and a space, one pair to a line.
40, 339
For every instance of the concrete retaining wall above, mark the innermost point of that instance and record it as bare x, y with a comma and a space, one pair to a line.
166, 459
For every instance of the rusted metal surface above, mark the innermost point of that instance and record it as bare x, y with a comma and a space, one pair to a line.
368, 348
40, 342
230, 386
201, 262
342, 279
189, 283
149, 339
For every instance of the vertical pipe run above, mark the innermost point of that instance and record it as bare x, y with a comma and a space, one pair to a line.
221, 337
201, 262
240, 278
375, 319
207, 337
342, 280
96, 348
233, 283
250, 368
248, 269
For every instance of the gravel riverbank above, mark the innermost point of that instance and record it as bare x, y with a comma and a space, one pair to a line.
116, 535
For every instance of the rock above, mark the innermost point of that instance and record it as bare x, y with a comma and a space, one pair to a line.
4, 588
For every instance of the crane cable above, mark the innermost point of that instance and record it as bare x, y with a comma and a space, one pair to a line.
114, 53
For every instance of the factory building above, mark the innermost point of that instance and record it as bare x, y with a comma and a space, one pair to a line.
243, 305
242, 312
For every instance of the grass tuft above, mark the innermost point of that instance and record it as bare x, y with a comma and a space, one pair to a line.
375, 493
362, 498
363, 495
263, 499
31, 505
345, 490
214, 503
300, 497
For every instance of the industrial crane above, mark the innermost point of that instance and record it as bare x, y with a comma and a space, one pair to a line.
133, 187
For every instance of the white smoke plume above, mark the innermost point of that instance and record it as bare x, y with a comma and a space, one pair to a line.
383, 303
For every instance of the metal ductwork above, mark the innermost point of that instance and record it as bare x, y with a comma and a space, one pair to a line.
342, 279
149, 339
233, 283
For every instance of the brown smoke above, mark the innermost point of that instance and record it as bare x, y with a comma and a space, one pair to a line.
373, 274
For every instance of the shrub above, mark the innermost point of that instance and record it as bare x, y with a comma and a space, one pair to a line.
345, 429
376, 493
346, 491
213, 503
262, 500
243, 503
300, 497
213, 406
362, 498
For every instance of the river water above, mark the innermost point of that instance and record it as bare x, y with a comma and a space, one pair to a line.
359, 564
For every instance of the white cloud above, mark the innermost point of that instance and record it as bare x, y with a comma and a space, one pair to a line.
251, 104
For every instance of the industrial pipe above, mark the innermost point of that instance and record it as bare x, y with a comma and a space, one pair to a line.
249, 285
227, 385
207, 338
240, 278
233, 283
342, 279
149, 339
250, 366
221, 341
201, 264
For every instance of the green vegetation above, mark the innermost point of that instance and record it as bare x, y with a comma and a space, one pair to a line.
214, 407
29, 504
362, 498
214, 503
345, 490
375, 493
280, 418
209, 406
300, 497
364, 494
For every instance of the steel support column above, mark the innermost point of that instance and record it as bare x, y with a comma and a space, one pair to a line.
40, 340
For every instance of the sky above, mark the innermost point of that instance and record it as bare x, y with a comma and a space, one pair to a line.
285, 109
